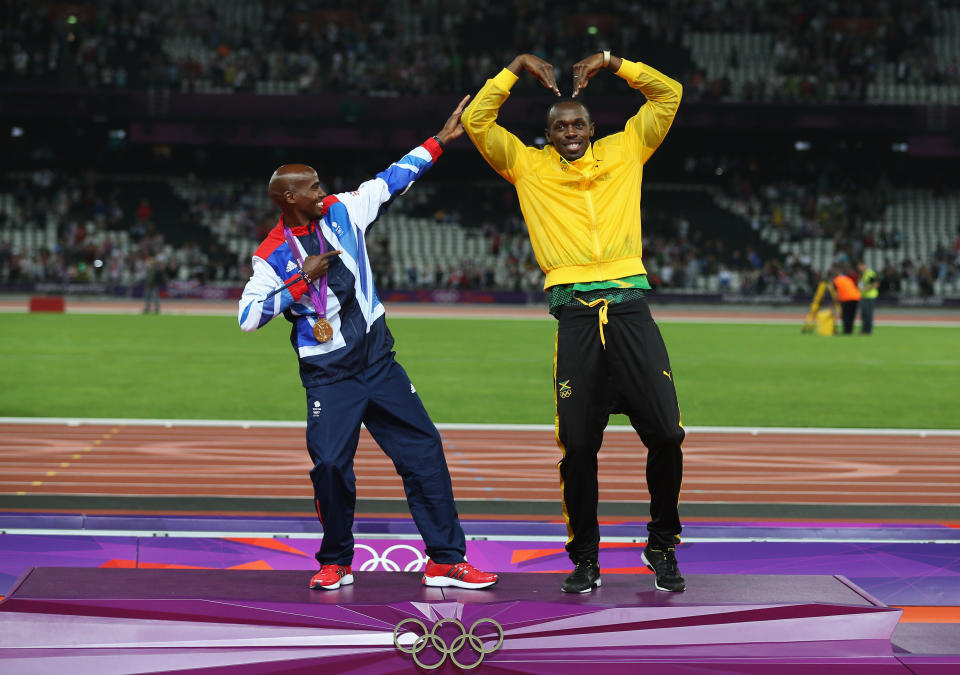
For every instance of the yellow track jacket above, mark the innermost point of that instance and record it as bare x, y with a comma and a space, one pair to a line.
583, 217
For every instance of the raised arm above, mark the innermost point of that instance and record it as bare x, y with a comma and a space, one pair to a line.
367, 202
540, 69
652, 122
499, 147
583, 71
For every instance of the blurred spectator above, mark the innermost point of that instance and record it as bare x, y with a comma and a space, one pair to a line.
155, 279
869, 290
848, 294
98, 242
822, 50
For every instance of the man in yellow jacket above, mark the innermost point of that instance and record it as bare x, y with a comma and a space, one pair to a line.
581, 202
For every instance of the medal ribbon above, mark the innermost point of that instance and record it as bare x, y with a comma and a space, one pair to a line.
319, 306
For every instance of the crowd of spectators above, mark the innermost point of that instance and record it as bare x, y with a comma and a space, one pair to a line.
102, 233
844, 206
822, 54
823, 50
101, 237
83, 230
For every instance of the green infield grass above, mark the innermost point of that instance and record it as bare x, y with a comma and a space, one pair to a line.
473, 370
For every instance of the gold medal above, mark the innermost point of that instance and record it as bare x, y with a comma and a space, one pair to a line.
322, 330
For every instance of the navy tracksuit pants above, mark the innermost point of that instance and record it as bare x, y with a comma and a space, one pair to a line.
382, 398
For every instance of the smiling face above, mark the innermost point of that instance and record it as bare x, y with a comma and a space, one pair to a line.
296, 189
569, 129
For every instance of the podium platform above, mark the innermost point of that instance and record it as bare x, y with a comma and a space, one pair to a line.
90, 620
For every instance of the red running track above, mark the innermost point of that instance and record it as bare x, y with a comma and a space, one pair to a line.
191, 461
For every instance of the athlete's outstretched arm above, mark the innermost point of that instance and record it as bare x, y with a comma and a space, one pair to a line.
368, 201
540, 69
647, 129
453, 129
583, 71
502, 150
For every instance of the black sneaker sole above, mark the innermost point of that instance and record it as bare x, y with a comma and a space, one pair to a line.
669, 590
592, 587
643, 557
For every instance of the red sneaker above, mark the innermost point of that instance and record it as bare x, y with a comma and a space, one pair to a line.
461, 575
331, 577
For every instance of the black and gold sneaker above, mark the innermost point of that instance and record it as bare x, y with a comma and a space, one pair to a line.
584, 577
663, 562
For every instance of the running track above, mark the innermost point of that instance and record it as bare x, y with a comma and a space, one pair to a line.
485, 463
489, 464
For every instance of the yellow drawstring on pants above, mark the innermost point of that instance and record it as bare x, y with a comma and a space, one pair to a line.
602, 316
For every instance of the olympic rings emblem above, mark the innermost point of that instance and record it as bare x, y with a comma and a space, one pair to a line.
383, 561
466, 637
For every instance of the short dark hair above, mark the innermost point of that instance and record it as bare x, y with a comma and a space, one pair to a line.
566, 100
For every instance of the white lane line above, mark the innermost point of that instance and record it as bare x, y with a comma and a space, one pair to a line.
247, 424
416, 537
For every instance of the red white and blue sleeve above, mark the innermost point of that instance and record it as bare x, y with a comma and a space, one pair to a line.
272, 266
272, 262
369, 200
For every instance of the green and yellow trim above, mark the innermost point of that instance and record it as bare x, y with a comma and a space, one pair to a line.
556, 435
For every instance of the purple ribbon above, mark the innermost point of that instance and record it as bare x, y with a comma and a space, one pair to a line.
315, 298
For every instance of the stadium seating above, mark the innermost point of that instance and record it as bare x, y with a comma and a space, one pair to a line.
746, 58
434, 251
744, 51
923, 219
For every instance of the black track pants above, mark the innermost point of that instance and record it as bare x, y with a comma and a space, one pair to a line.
848, 311
630, 375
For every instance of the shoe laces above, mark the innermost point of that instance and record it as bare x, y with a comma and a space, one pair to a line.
669, 560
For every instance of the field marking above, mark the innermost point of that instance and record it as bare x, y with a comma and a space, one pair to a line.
454, 426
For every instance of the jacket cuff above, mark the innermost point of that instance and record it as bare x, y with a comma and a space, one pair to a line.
298, 288
629, 70
433, 147
505, 79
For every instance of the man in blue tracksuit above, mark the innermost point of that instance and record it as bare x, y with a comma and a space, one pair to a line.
313, 269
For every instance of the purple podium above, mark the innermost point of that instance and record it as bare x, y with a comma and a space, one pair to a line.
89, 620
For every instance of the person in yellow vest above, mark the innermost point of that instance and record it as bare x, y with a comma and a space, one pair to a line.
580, 199
869, 290
849, 297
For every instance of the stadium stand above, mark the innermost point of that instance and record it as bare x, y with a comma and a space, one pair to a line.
711, 225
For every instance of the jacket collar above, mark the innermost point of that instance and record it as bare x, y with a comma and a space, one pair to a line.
583, 164
299, 230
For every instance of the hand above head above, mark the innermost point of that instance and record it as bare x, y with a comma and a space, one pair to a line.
584, 70
540, 69
315, 266
453, 129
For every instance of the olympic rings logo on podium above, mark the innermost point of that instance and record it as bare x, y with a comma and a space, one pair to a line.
384, 562
432, 637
